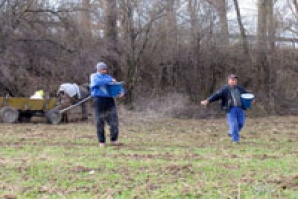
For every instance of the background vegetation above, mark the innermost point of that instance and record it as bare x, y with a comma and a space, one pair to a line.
157, 47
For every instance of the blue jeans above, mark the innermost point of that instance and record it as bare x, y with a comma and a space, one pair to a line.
236, 119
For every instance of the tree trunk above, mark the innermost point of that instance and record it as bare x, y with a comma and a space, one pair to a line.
222, 12
128, 34
193, 7
271, 26
111, 37
261, 66
295, 2
221, 9
193, 12
171, 42
241, 27
86, 20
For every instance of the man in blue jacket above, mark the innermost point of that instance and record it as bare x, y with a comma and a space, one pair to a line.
230, 96
105, 106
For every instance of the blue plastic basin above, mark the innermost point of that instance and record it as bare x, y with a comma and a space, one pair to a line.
114, 88
247, 99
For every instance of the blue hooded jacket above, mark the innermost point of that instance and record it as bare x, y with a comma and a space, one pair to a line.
98, 85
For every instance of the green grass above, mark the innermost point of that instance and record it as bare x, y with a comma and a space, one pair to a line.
168, 158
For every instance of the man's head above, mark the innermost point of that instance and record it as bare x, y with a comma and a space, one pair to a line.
102, 68
232, 80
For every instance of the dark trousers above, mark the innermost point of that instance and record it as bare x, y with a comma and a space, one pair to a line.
105, 111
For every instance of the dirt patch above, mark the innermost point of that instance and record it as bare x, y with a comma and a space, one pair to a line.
289, 182
293, 152
10, 197
91, 137
166, 156
47, 144
3, 161
178, 169
247, 180
264, 156
10, 144
133, 156
44, 190
233, 156
152, 187
231, 166
82, 169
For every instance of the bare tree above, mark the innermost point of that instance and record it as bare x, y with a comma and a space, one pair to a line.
111, 36
156, 46
295, 3
171, 43
262, 68
271, 25
222, 12
140, 43
86, 18
291, 22
221, 8
241, 27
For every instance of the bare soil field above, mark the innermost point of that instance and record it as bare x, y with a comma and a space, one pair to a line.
162, 158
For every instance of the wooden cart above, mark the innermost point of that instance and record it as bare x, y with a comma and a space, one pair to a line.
14, 109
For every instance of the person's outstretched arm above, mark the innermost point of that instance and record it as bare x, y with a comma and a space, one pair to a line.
214, 97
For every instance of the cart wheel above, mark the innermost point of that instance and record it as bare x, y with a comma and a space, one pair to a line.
53, 116
25, 117
9, 114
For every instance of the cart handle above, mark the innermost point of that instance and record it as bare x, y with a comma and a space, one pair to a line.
76, 104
